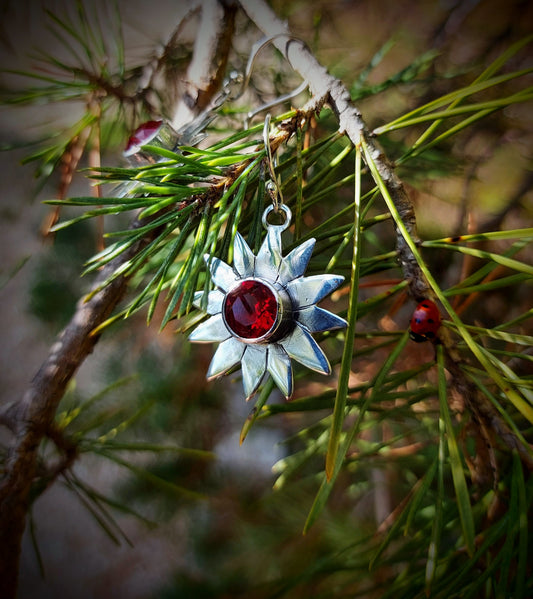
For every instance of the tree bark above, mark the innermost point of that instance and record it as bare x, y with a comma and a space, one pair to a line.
490, 426
326, 87
31, 419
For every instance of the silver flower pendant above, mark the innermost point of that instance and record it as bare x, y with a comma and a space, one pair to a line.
264, 310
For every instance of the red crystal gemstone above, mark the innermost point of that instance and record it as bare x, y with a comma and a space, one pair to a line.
250, 310
141, 136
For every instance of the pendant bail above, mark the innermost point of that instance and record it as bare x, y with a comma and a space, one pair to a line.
282, 208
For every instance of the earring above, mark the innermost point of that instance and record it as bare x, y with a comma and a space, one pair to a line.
264, 310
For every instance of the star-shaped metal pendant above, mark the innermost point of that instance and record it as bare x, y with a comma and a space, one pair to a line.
264, 310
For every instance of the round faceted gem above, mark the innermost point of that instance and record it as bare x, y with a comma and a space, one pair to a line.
251, 310
141, 136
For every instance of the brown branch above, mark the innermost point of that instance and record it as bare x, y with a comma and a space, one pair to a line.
34, 415
32, 418
213, 42
324, 86
68, 165
152, 70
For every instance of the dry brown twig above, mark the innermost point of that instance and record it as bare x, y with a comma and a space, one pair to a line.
489, 426
31, 419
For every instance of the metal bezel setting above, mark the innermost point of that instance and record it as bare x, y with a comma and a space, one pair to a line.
283, 312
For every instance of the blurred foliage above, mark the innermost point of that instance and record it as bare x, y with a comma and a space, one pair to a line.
55, 288
411, 506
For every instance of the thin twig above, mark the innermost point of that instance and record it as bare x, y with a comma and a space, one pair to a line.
32, 418
325, 87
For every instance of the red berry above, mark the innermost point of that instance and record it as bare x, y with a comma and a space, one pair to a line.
251, 310
425, 321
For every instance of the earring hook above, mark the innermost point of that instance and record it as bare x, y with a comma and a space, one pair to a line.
272, 186
279, 100
244, 81
257, 47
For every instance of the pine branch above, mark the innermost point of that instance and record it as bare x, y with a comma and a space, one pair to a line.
326, 88
32, 418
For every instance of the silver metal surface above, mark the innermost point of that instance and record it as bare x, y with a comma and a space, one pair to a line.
279, 367
269, 258
214, 301
243, 258
317, 320
307, 291
253, 368
224, 277
211, 330
297, 298
304, 349
295, 263
228, 354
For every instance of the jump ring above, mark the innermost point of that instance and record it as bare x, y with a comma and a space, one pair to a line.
281, 208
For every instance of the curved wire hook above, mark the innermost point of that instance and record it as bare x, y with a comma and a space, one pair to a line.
256, 48
275, 102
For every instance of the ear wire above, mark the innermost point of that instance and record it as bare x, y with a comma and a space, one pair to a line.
256, 48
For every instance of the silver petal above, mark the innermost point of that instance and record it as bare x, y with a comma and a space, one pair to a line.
268, 258
227, 355
295, 263
243, 258
210, 331
310, 290
303, 348
316, 319
253, 368
223, 275
215, 299
279, 367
